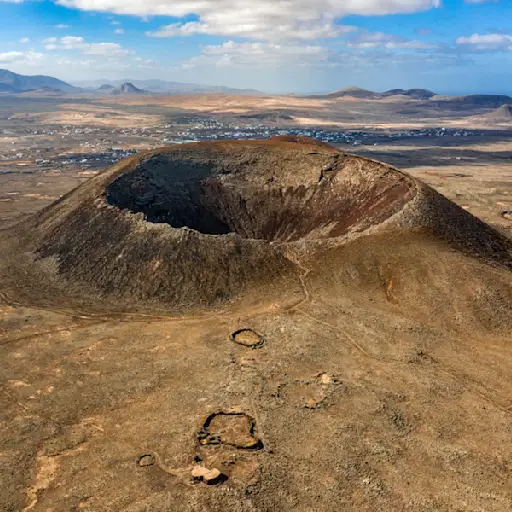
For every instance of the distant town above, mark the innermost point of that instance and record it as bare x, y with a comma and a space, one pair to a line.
93, 148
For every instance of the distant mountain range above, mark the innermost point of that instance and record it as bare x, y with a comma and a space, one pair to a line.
164, 87
13, 83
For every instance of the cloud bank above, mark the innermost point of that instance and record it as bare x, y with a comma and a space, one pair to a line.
263, 19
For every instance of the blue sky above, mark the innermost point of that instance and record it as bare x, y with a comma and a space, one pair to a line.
450, 46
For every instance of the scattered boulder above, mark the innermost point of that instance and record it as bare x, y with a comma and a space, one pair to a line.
208, 476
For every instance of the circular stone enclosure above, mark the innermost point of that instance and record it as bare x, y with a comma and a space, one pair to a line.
273, 191
248, 338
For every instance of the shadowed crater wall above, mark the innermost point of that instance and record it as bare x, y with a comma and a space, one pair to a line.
262, 198
171, 192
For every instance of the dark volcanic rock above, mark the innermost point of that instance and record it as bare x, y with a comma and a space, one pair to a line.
127, 88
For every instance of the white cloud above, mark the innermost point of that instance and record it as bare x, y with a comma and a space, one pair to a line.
62, 26
100, 62
284, 31
144, 63
27, 58
65, 43
115, 22
410, 45
263, 19
79, 43
119, 31
257, 55
90, 65
261, 49
297, 67
367, 40
33, 58
24, 40
72, 40
485, 39
271, 55
11, 56
486, 42
105, 49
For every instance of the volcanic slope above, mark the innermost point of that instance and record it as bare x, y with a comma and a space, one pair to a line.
256, 326
501, 115
202, 224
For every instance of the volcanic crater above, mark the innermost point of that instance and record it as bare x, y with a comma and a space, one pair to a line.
277, 194
201, 224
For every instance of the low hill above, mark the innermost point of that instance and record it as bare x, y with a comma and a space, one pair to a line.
352, 92
417, 94
476, 100
127, 88
501, 115
357, 92
15, 83
104, 89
